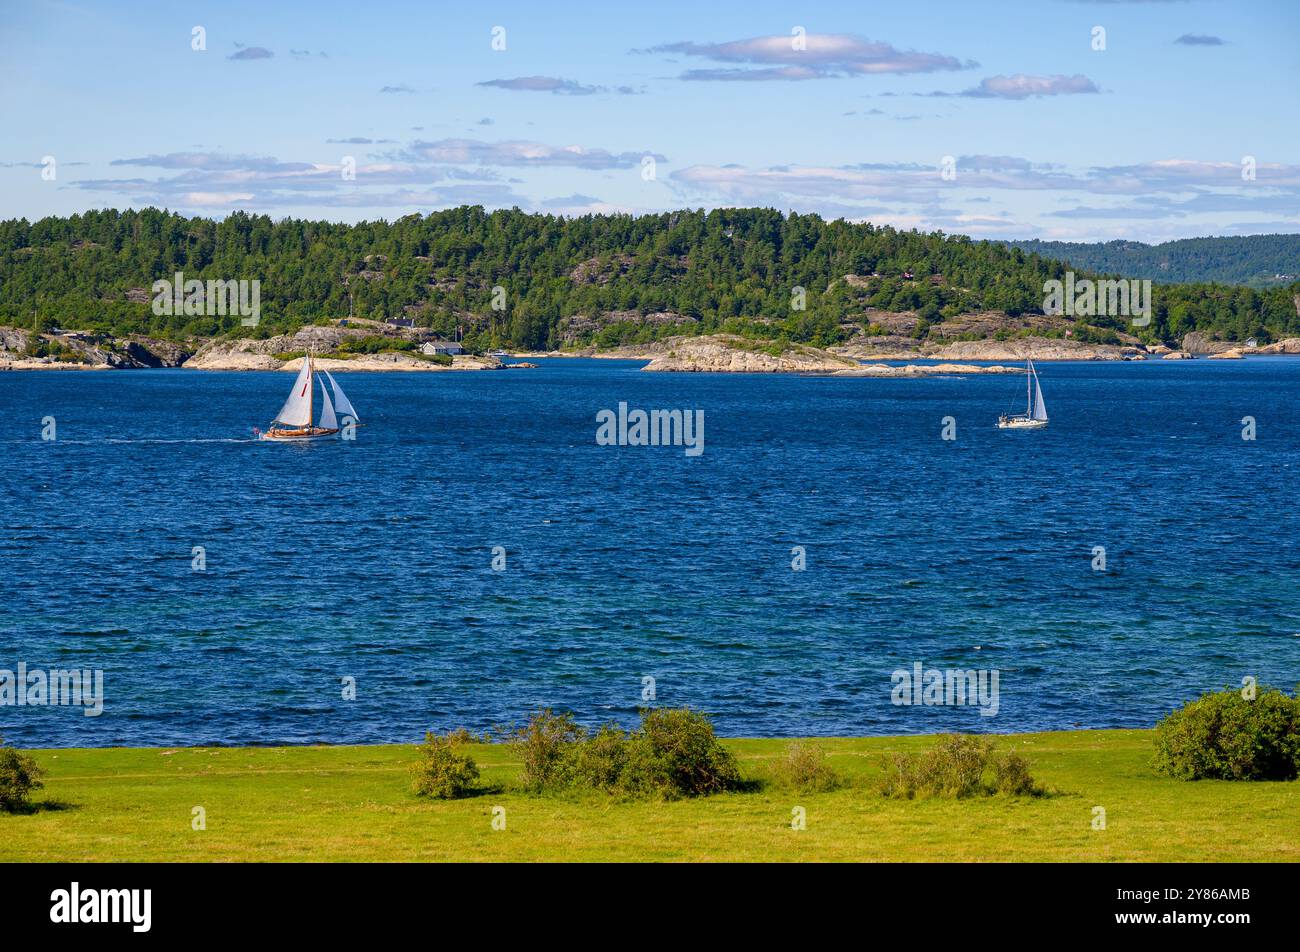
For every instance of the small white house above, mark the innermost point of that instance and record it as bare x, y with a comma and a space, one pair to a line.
449, 347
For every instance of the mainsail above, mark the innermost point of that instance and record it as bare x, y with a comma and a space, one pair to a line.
341, 402
327, 419
297, 409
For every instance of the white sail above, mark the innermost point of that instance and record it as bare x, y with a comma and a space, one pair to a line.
297, 409
1040, 408
327, 419
341, 402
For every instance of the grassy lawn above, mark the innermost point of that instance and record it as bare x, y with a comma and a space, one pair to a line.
354, 803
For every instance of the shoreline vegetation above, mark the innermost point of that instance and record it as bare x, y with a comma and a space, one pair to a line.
362, 345
736, 289
356, 803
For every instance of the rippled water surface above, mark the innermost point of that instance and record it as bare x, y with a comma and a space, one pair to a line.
372, 560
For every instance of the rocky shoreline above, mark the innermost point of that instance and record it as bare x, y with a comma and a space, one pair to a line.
860, 356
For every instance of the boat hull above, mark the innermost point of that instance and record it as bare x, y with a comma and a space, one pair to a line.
302, 435
1021, 424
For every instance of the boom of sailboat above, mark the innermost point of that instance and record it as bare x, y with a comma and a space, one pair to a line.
293, 422
1035, 415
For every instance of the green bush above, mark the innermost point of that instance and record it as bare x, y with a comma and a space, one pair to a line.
805, 768
442, 770
600, 760
1011, 776
1225, 736
545, 745
19, 776
958, 766
674, 753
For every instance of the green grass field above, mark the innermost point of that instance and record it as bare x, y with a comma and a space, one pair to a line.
354, 803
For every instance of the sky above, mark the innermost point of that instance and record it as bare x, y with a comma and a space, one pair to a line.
1083, 120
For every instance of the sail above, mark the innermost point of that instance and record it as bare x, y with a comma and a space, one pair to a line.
327, 419
297, 409
1040, 408
341, 402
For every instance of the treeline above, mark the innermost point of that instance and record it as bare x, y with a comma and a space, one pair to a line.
1254, 260
538, 281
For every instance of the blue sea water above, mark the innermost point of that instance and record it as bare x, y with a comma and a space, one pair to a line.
373, 560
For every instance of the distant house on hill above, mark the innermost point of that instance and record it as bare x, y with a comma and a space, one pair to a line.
407, 322
449, 347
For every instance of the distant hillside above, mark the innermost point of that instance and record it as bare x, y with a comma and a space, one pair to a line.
508, 278
1257, 261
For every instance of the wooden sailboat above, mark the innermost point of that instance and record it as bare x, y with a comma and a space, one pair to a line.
1035, 415
293, 422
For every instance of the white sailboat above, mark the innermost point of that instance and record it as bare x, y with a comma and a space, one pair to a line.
1035, 415
293, 422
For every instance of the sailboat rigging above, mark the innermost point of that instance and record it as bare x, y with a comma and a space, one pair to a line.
293, 422
1035, 415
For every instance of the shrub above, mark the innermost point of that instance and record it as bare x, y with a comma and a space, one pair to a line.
958, 766
599, 761
545, 745
1011, 776
19, 776
804, 768
1224, 736
442, 770
675, 753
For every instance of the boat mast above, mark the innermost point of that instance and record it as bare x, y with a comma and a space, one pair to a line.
310, 394
1029, 387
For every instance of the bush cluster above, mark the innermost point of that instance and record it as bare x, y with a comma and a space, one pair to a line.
958, 766
1227, 736
673, 753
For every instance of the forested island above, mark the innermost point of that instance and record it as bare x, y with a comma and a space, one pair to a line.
1258, 261
534, 282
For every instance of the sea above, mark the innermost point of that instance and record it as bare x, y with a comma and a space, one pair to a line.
475, 553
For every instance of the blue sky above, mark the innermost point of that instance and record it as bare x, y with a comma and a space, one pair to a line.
845, 109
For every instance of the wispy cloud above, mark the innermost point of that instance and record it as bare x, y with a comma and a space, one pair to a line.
1199, 39
396, 89
803, 57
358, 140
544, 84
1022, 86
522, 153
251, 53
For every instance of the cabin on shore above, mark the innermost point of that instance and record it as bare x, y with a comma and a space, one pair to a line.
448, 347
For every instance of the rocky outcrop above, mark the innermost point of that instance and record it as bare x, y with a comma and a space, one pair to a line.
392, 362
900, 347
1198, 343
24, 350
1289, 345
924, 370
726, 353
1177, 355
580, 326
1228, 355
